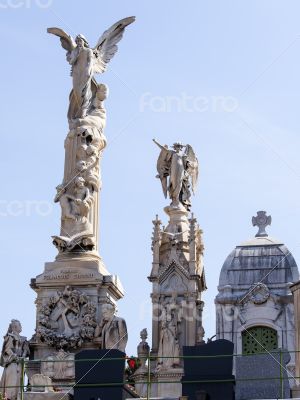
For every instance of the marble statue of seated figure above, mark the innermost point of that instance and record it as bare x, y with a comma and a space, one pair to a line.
75, 206
111, 332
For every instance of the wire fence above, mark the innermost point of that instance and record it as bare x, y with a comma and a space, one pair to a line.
60, 385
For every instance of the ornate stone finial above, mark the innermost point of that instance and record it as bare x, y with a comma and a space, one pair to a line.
143, 351
156, 236
144, 335
261, 221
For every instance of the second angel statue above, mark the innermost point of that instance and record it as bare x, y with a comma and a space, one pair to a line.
178, 170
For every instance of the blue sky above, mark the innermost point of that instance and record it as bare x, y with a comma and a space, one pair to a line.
221, 76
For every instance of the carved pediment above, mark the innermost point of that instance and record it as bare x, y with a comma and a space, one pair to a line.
173, 279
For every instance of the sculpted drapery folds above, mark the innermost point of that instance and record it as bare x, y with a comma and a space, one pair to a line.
15, 347
168, 341
111, 333
86, 62
178, 171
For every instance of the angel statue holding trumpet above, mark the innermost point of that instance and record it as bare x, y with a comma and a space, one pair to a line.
178, 171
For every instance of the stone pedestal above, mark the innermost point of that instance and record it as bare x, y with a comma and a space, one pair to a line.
140, 383
46, 396
178, 279
168, 383
295, 392
70, 296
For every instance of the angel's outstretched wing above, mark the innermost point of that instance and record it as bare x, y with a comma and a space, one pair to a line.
107, 47
163, 168
193, 166
67, 42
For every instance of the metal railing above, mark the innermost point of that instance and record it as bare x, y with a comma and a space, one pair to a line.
26, 365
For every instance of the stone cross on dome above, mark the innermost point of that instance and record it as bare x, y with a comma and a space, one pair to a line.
261, 221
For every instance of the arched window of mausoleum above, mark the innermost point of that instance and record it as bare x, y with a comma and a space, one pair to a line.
259, 339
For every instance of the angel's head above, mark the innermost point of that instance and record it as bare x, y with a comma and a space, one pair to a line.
81, 41
178, 146
79, 182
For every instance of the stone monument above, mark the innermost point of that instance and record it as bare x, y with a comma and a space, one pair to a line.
254, 305
177, 274
76, 295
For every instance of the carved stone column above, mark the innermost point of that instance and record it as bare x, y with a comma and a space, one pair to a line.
74, 291
295, 288
178, 280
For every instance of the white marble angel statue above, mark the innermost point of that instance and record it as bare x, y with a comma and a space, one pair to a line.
178, 171
86, 62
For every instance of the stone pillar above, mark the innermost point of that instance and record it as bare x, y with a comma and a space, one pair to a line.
177, 278
76, 295
295, 288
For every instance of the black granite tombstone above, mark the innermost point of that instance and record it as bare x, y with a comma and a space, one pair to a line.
208, 378
102, 379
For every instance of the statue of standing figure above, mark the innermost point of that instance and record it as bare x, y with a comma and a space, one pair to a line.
168, 342
15, 348
177, 171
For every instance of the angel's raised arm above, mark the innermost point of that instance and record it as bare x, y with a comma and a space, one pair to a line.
165, 147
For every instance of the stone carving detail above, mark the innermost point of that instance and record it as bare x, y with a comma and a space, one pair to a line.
86, 62
174, 284
15, 347
78, 193
200, 336
169, 338
60, 365
261, 221
67, 319
177, 171
258, 293
41, 383
111, 333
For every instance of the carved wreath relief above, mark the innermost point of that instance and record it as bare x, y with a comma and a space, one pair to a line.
67, 319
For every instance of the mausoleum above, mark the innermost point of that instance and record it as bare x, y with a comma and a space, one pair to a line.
254, 305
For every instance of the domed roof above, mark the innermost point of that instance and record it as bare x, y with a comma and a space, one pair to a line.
261, 259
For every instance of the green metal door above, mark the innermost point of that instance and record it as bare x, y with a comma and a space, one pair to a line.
259, 339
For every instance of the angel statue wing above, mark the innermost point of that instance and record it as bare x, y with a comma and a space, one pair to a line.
67, 42
163, 166
192, 166
107, 47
